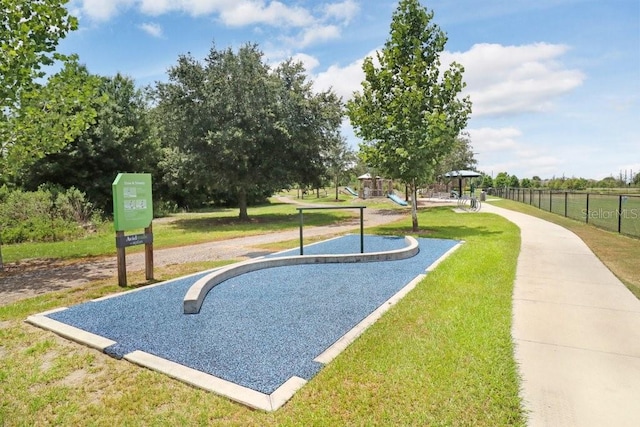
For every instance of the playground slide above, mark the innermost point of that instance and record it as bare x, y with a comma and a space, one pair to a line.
351, 191
397, 199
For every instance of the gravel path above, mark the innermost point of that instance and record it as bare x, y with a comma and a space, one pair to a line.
57, 275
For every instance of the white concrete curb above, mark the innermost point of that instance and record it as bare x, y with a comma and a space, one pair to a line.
196, 294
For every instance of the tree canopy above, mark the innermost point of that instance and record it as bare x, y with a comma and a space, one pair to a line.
36, 118
244, 128
29, 35
408, 112
120, 140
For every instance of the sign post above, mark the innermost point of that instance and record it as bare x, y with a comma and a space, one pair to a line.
133, 209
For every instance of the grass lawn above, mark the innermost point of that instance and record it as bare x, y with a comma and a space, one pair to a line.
442, 356
618, 252
181, 230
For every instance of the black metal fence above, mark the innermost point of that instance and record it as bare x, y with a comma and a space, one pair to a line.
613, 212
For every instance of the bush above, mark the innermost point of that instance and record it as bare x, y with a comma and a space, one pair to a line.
48, 214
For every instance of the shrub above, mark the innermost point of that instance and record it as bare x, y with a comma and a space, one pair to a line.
48, 214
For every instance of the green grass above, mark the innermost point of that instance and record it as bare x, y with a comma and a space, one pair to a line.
442, 356
180, 230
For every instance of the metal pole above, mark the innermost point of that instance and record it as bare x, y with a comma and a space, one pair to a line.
619, 213
587, 216
361, 231
301, 224
148, 254
122, 263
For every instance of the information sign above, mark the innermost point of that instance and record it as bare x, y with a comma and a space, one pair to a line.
132, 201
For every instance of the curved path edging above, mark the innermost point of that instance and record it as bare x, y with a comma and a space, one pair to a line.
196, 294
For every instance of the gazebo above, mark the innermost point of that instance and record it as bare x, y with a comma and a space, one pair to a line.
461, 174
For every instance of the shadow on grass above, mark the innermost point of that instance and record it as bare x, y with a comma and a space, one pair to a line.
457, 232
257, 222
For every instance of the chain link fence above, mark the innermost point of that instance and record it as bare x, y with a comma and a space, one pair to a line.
613, 212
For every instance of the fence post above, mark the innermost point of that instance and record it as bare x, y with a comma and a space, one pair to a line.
619, 213
550, 201
539, 199
566, 195
587, 216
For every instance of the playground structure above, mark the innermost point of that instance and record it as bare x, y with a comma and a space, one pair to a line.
371, 187
397, 199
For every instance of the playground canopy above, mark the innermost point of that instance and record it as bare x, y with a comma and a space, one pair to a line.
461, 174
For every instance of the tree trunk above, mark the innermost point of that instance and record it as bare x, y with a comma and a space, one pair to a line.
414, 207
336, 188
242, 204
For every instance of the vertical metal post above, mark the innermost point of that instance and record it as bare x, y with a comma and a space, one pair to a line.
148, 254
361, 231
539, 199
619, 213
587, 215
122, 262
566, 196
301, 224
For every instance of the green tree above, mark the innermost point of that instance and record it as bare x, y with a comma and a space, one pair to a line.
340, 158
461, 156
312, 123
408, 114
487, 181
37, 119
29, 35
514, 182
241, 127
536, 181
502, 180
526, 183
120, 140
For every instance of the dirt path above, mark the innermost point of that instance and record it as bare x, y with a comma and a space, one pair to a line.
56, 275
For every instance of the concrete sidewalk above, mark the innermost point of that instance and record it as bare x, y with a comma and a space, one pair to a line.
576, 330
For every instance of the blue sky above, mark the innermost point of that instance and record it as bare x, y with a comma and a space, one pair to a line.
555, 84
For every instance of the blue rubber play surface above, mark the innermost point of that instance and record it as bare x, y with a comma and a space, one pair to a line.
261, 328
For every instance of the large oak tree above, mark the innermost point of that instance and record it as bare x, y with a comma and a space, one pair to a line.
237, 125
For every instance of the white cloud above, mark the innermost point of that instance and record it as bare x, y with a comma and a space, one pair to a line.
504, 150
322, 24
101, 10
514, 79
317, 33
309, 62
158, 7
153, 29
494, 139
256, 12
344, 11
343, 80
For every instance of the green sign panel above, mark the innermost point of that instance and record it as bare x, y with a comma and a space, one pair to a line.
132, 201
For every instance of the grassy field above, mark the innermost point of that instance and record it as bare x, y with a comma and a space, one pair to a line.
618, 252
442, 356
181, 230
